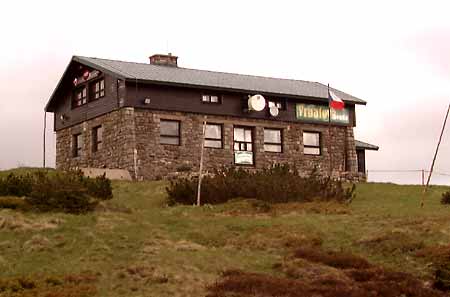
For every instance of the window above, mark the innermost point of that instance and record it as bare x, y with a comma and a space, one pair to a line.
210, 99
169, 132
77, 144
278, 104
311, 143
243, 146
98, 89
80, 97
97, 138
272, 140
213, 135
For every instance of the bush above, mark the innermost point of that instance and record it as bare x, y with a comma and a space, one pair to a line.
16, 185
99, 187
278, 184
445, 198
69, 192
62, 192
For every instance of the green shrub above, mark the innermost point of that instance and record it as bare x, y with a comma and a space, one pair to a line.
99, 187
62, 192
16, 185
278, 184
69, 192
445, 198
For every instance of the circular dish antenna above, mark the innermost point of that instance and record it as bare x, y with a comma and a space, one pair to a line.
256, 103
273, 110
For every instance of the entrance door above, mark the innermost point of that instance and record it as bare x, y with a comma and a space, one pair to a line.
360, 154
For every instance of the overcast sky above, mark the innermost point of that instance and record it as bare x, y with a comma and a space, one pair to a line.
393, 54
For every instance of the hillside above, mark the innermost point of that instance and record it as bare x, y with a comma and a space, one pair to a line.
134, 245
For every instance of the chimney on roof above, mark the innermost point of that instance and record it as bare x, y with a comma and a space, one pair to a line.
164, 60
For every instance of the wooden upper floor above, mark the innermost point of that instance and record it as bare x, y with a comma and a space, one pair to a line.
92, 87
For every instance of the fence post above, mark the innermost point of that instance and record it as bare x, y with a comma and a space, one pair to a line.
423, 177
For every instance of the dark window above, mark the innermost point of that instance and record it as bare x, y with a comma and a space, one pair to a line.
210, 99
278, 104
272, 140
213, 135
169, 132
77, 144
97, 138
80, 97
311, 143
98, 89
243, 146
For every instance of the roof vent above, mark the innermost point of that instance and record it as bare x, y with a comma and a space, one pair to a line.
164, 60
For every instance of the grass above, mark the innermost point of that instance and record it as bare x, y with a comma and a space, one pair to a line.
137, 246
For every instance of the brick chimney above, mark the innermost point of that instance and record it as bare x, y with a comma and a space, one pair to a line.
164, 60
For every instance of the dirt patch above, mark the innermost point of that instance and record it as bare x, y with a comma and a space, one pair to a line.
37, 243
17, 222
109, 221
434, 253
323, 274
184, 245
438, 258
254, 207
334, 259
74, 285
107, 206
393, 242
155, 245
274, 238
327, 208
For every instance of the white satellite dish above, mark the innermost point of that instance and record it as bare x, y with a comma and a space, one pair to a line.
273, 110
256, 102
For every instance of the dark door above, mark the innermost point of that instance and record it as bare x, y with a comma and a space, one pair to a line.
360, 154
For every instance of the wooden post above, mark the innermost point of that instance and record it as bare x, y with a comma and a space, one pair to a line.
434, 158
423, 177
329, 134
45, 128
199, 186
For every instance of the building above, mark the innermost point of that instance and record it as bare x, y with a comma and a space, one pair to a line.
148, 119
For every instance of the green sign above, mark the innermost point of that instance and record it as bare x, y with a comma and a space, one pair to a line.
319, 113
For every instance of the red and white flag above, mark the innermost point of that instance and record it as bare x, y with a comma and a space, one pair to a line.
335, 101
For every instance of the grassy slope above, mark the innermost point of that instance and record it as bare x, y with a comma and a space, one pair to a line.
190, 246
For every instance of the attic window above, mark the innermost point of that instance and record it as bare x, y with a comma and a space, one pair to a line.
211, 99
98, 89
80, 97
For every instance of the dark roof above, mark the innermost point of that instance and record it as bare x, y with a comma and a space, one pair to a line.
365, 146
210, 79
194, 77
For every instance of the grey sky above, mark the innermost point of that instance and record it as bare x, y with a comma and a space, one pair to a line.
395, 55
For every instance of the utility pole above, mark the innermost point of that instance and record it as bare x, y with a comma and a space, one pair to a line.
434, 158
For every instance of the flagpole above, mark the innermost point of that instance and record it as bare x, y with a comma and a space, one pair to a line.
329, 134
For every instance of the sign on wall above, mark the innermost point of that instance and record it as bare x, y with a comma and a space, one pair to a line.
243, 157
319, 113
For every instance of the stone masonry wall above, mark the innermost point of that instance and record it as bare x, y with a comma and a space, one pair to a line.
157, 160
118, 143
131, 140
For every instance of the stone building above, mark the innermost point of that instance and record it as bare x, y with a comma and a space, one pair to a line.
148, 119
